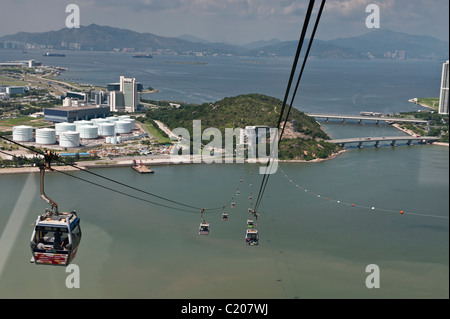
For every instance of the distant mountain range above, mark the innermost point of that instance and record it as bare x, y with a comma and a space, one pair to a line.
380, 44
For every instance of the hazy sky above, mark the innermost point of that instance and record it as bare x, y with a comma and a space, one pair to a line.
233, 21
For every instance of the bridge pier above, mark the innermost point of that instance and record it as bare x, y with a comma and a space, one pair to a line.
343, 120
409, 143
377, 144
360, 145
393, 144
326, 120
360, 121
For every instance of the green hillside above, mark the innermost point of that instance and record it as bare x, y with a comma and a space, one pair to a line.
302, 139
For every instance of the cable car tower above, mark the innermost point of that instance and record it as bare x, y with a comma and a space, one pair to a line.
56, 235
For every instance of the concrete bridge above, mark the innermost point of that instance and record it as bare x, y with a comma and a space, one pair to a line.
361, 118
392, 139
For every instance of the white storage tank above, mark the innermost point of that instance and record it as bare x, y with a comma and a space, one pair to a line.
106, 129
22, 133
69, 139
46, 136
99, 120
131, 123
88, 131
62, 127
123, 117
81, 123
112, 118
123, 127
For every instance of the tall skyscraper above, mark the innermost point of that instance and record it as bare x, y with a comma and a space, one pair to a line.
128, 86
124, 96
443, 99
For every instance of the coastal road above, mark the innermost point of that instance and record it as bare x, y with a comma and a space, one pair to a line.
163, 127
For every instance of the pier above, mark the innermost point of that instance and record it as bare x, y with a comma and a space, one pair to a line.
392, 139
361, 118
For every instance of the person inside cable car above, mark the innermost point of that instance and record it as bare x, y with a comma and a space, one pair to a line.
57, 241
41, 244
64, 243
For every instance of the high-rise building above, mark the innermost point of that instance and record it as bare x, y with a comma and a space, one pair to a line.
116, 101
128, 86
443, 99
124, 96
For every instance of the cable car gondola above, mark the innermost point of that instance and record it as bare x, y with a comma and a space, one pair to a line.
224, 214
250, 223
204, 226
203, 229
56, 235
55, 238
252, 237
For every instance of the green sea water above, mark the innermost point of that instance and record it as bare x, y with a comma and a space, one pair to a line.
310, 247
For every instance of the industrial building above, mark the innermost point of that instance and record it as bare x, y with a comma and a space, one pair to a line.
14, 89
80, 96
26, 63
70, 114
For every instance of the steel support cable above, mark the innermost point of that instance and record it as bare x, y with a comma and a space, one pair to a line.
295, 90
291, 77
303, 66
110, 179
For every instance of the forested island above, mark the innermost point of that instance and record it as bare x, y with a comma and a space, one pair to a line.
303, 138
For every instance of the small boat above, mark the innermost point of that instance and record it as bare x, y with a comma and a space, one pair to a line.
145, 56
141, 168
54, 54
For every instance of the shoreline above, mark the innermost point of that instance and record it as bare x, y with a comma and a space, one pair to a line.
127, 162
409, 132
422, 105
